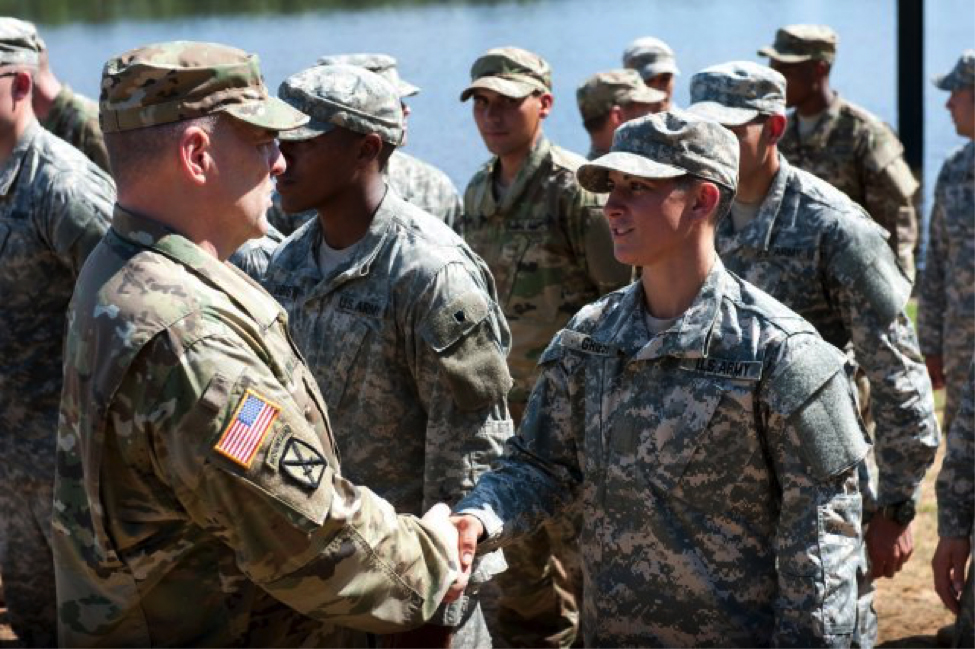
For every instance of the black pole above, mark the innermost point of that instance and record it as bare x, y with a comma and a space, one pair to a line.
910, 81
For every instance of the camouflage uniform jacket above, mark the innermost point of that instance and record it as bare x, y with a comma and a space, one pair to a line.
956, 484
946, 303
74, 119
54, 208
254, 256
425, 186
861, 156
815, 251
164, 534
715, 463
408, 346
548, 247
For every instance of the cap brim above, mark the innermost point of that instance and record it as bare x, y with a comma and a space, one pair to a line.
312, 129
406, 89
271, 114
647, 95
594, 175
724, 115
775, 55
506, 87
651, 70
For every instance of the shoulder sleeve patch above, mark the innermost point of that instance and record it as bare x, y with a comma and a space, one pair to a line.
445, 327
829, 429
868, 267
248, 427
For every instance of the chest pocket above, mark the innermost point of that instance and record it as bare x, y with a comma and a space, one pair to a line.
786, 269
538, 262
334, 349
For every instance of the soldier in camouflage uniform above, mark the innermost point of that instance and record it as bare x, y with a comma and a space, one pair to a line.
55, 209
254, 256
397, 317
840, 142
199, 497
809, 246
956, 520
415, 181
548, 247
608, 99
654, 60
710, 434
946, 302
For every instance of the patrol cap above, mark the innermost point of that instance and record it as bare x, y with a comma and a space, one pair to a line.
19, 42
962, 75
179, 80
798, 43
382, 64
650, 56
599, 93
343, 95
737, 92
510, 71
667, 145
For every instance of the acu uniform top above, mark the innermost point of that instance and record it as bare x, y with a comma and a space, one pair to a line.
199, 499
74, 119
715, 463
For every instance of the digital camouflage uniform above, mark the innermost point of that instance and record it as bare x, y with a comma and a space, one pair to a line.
199, 498
55, 209
74, 119
406, 339
254, 256
813, 249
946, 299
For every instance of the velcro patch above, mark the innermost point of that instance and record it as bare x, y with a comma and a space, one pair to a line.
302, 463
725, 368
245, 432
581, 342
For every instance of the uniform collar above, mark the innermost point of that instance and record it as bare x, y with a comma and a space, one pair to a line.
12, 167
58, 107
757, 235
522, 180
819, 137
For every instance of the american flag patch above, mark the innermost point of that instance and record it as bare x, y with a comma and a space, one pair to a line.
245, 432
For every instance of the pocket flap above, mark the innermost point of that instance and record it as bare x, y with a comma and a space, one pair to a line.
446, 326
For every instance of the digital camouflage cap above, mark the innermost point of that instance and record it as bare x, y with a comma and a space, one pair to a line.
737, 92
798, 43
667, 145
599, 93
962, 75
382, 64
348, 96
179, 80
19, 42
510, 71
650, 56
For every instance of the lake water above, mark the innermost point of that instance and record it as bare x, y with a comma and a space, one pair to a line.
437, 42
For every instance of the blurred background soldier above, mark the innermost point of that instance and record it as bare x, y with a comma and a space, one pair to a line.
55, 208
608, 99
840, 142
655, 62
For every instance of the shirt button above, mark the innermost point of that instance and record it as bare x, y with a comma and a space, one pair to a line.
309, 413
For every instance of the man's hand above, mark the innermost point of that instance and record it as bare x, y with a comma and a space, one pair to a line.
936, 371
468, 529
438, 520
889, 546
948, 565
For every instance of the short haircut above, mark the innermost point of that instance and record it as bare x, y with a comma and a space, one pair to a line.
133, 153
690, 181
594, 124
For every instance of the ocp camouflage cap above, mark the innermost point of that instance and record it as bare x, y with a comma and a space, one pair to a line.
599, 93
180, 80
798, 43
382, 64
19, 42
650, 56
737, 92
667, 145
346, 96
962, 75
510, 71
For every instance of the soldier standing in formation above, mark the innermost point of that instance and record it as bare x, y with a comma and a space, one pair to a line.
55, 208
608, 99
397, 317
199, 497
710, 434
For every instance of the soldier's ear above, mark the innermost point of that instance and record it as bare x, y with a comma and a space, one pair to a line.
195, 159
546, 100
370, 146
774, 128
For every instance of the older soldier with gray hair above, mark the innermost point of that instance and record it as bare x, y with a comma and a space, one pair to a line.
809, 246
608, 99
199, 494
55, 208
710, 434
654, 60
397, 317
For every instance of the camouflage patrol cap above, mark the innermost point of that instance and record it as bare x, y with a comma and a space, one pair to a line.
650, 56
737, 92
962, 75
599, 93
346, 96
798, 43
19, 42
179, 80
510, 71
667, 145
382, 64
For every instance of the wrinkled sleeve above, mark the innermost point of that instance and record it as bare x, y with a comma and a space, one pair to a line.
889, 188
77, 214
932, 294
956, 483
322, 546
591, 241
815, 443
